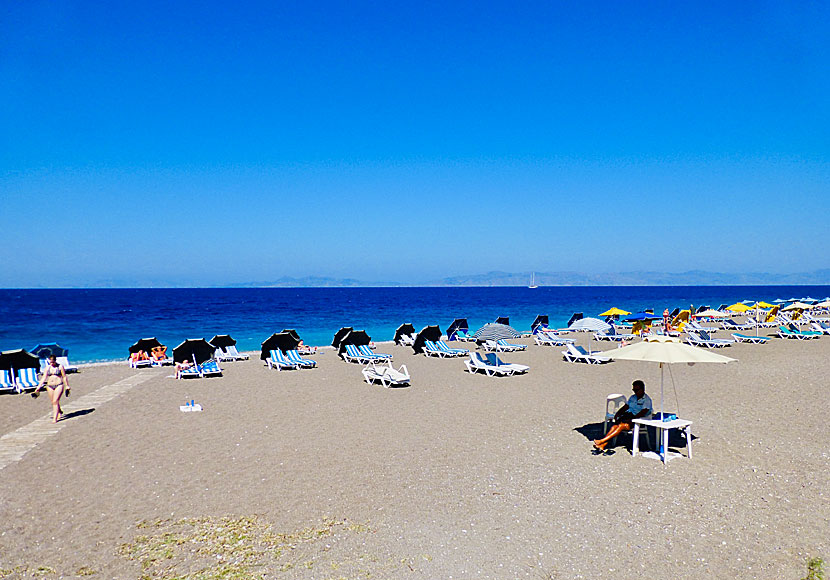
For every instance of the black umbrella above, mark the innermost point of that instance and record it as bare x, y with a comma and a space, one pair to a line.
293, 333
339, 336
541, 320
145, 344
18, 359
405, 328
576, 316
503, 320
222, 341
432, 333
196, 350
47, 350
495, 331
358, 337
283, 341
457, 324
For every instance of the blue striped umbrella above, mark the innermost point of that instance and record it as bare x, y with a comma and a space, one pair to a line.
493, 331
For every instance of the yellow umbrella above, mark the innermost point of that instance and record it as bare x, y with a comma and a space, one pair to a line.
762, 304
614, 312
739, 307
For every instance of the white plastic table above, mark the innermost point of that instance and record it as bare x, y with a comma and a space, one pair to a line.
663, 428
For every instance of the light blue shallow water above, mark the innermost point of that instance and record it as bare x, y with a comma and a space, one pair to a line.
100, 324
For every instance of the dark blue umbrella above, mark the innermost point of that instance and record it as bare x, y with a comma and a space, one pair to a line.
47, 350
643, 316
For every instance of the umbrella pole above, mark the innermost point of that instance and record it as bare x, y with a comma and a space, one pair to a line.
660, 447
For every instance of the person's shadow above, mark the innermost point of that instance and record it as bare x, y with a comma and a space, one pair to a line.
78, 413
593, 431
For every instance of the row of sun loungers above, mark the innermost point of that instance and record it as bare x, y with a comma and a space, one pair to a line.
363, 354
229, 354
22, 380
441, 350
502, 345
206, 369
290, 360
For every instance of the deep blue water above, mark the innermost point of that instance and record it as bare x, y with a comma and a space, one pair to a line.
100, 324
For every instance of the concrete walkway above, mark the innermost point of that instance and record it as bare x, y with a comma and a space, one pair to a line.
14, 445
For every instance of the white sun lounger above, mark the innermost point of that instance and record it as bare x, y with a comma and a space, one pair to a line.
476, 363
353, 355
303, 363
575, 353
279, 362
749, 338
547, 339
386, 374
6, 382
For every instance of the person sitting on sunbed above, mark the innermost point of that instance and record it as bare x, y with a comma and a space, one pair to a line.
140, 355
159, 353
638, 406
303, 349
182, 366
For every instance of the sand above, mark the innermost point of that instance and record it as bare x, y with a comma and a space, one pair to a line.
319, 475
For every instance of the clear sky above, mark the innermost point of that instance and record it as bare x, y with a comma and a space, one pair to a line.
208, 143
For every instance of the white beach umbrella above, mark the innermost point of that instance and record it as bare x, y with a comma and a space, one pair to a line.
710, 313
665, 350
591, 325
798, 306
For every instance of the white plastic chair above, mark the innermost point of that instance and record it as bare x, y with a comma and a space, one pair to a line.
614, 403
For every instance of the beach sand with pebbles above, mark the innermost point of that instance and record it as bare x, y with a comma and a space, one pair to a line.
315, 474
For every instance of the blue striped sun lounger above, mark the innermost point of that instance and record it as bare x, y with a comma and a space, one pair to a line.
294, 356
353, 355
26, 379
508, 346
370, 354
279, 362
6, 382
211, 369
451, 351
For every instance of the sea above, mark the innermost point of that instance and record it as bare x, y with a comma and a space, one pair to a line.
99, 325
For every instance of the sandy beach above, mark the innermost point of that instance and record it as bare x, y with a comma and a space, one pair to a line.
316, 474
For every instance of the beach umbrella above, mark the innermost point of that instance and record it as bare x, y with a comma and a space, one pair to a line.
18, 359
293, 333
665, 350
590, 325
357, 337
222, 341
47, 350
710, 313
405, 328
779, 301
283, 341
495, 331
798, 305
823, 304
541, 320
338, 336
614, 312
643, 316
739, 307
145, 344
505, 320
432, 333
456, 325
196, 350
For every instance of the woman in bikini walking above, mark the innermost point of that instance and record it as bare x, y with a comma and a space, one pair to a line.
54, 377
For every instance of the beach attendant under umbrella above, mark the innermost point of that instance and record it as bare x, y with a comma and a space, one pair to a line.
665, 350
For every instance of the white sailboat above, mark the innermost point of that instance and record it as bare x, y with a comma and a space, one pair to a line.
533, 280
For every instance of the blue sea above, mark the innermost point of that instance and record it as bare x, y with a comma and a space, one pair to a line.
100, 324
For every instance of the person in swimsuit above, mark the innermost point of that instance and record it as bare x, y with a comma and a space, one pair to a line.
54, 377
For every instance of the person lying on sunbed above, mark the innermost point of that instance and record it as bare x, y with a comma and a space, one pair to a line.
638, 406
182, 366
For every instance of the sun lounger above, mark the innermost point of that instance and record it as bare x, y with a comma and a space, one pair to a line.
231, 351
494, 360
140, 363
820, 326
613, 335
575, 353
697, 340
548, 339
369, 353
749, 338
64, 361
504, 346
431, 349
785, 332
26, 379
353, 355
210, 369
477, 363
696, 327
192, 372
386, 374
278, 361
223, 356
303, 363
407, 339
732, 325
6, 382
451, 351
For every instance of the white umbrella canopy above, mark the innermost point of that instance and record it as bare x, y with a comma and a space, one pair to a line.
798, 306
665, 350
590, 324
710, 313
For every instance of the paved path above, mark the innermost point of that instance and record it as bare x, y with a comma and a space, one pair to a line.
14, 445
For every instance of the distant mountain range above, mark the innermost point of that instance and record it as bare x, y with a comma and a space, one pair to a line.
635, 278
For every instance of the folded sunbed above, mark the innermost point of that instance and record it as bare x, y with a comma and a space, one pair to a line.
386, 374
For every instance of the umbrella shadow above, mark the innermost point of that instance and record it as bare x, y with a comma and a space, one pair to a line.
78, 413
593, 431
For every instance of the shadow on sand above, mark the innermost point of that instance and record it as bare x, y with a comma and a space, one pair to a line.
79, 413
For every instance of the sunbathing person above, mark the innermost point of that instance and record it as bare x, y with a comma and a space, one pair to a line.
159, 353
638, 406
182, 366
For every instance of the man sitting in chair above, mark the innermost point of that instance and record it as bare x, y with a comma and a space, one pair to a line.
638, 406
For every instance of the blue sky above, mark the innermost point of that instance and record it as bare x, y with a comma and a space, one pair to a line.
209, 143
